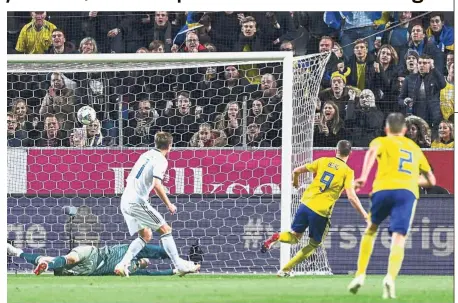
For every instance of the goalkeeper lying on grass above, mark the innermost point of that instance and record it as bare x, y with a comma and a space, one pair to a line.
88, 260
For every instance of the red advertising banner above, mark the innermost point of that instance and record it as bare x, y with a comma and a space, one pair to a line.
103, 171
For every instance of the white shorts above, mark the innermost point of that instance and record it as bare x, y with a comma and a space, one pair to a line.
141, 215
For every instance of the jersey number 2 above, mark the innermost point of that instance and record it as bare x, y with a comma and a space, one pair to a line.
406, 158
326, 179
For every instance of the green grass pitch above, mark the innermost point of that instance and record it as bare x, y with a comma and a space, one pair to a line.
220, 288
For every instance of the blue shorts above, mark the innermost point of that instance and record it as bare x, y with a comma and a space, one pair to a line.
318, 225
399, 204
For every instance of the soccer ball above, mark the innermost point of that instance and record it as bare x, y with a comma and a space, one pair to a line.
86, 115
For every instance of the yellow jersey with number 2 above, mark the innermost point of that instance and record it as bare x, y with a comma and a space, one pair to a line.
400, 161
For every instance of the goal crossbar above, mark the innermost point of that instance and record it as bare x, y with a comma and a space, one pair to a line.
150, 61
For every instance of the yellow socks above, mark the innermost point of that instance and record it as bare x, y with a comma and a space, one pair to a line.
301, 255
365, 251
395, 260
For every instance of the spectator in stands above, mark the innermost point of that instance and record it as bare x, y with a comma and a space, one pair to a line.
326, 44
287, 46
272, 96
208, 137
206, 93
141, 126
450, 58
249, 40
60, 44
94, 135
142, 50
193, 44
88, 46
15, 136
162, 30
24, 122
156, 46
399, 36
329, 128
440, 34
361, 64
52, 135
181, 121
411, 62
339, 93
235, 88
130, 32
225, 30
255, 137
353, 26
419, 131
337, 50
422, 46
447, 95
78, 137
364, 121
260, 115
386, 73
230, 121
210, 47
275, 27
315, 28
35, 37
60, 101
420, 93
446, 136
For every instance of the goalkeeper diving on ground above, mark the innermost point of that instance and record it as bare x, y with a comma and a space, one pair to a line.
332, 176
87, 260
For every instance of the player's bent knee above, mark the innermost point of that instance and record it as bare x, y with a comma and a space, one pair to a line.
146, 234
315, 244
165, 229
371, 230
398, 239
297, 235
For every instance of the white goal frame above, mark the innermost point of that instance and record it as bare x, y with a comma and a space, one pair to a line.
87, 62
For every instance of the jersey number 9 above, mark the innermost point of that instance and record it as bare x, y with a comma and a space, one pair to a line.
326, 179
405, 158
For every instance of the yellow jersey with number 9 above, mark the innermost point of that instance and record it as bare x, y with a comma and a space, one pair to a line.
400, 161
332, 176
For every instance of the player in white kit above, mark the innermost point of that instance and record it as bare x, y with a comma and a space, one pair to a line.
140, 216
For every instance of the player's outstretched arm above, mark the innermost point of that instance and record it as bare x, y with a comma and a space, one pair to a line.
354, 200
369, 160
160, 191
427, 179
296, 173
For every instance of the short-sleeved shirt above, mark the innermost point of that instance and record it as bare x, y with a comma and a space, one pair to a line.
332, 176
400, 162
151, 164
33, 41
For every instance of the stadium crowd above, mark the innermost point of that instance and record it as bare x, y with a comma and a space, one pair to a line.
380, 62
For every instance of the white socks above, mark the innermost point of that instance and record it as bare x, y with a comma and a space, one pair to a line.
134, 249
170, 247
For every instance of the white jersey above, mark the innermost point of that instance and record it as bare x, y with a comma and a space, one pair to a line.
151, 164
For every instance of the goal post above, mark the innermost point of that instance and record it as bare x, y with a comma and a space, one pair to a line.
220, 175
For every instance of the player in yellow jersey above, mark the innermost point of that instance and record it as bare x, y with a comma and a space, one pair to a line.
332, 176
402, 167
